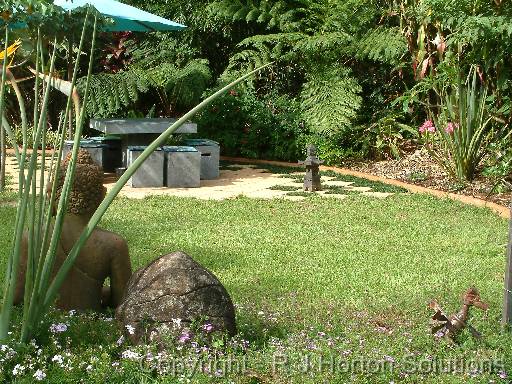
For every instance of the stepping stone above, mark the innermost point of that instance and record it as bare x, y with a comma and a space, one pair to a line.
339, 183
380, 195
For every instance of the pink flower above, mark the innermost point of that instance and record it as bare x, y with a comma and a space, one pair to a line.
208, 327
450, 127
428, 125
185, 336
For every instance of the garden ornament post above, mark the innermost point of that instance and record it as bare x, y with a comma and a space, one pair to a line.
451, 326
507, 302
312, 176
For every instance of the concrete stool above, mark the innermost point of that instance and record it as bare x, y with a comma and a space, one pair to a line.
183, 166
151, 173
210, 156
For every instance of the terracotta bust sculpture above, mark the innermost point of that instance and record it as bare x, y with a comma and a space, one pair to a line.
105, 255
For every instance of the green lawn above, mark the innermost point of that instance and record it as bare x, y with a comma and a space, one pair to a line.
343, 279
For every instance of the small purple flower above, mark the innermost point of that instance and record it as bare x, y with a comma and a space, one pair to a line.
428, 125
208, 327
389, 359
58, 328
39, 375
185, 336
502, 374
312, 346
129, 355
219, 373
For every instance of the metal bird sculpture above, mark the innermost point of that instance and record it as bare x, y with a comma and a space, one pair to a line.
451, 326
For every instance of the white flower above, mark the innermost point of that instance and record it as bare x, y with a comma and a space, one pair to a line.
18, 370
58, 359
130, 329
130, 355
88, 368
176, 322
39, 375
58, 328
120, 340
72, 313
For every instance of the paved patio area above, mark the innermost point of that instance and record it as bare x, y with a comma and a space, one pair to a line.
236, 180
250, 181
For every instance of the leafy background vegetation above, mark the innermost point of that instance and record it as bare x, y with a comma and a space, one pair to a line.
354, 77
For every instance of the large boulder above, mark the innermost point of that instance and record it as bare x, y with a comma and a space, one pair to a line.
173, 290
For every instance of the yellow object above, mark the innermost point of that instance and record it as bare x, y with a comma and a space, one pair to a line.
11, 50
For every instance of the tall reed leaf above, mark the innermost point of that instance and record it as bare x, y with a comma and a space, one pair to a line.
34, 225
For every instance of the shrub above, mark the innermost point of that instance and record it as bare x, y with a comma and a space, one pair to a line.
458, 137
51, 137
499, 165
248, 126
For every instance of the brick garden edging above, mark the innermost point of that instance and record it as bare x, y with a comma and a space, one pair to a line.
496, 208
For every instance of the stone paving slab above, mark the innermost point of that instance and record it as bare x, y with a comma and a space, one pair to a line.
338, 183
12, 170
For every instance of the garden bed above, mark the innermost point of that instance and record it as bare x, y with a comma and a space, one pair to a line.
420, 169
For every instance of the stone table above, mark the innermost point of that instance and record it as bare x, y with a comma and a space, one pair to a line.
138, 132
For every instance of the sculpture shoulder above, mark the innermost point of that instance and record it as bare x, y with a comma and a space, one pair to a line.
111, 241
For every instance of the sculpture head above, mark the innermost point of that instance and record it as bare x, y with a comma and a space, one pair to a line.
472, 297
88, 191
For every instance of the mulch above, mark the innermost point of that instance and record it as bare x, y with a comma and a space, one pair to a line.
420, 169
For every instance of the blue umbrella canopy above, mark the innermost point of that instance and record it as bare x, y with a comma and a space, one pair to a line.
126, 17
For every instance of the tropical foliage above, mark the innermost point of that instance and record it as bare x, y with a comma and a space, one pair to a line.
358, 74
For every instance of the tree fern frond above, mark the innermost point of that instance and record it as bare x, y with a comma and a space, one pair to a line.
330, 99
382, 44
111, 93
